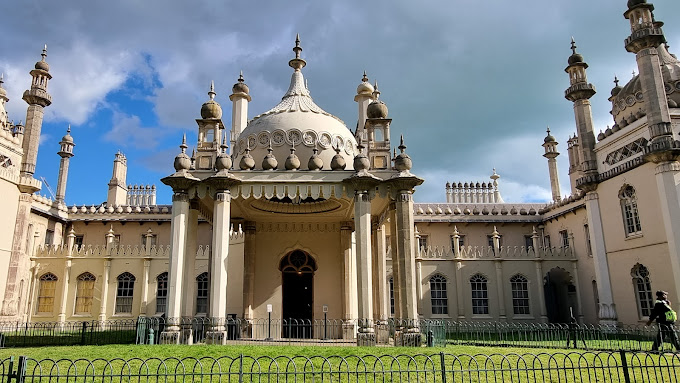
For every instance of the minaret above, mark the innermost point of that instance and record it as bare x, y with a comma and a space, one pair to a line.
117, 186
580, 92
209, 132
551, 153
65, 152
4, 120
37, 99
363, 97
240, 97
377, 131
645, 38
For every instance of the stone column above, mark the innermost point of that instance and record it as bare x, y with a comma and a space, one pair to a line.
382, 302
178, 230
189, 288
670, 213
217, 308
19, 260
538, 262
105, 289
577, 284
419, 286
348, 330
406, 254
249, 270
500, 282
64, 291
362, 228
145, 288
396, 271
607, 312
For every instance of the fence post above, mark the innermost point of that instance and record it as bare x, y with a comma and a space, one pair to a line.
21, 370
443, 364
240, 368
82, 333
624, 366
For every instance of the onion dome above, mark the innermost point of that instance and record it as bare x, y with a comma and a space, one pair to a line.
223, 161
365, 88
601, 136
42, 64
338, 162
182, 161
211, 109
247, 162
377, 108
616, 128
292, 161
360, 160
403, 162
549, 138
448, 185
315, 162
269, 162
575, 58
608, 132
67, 139
240, 87
617, 88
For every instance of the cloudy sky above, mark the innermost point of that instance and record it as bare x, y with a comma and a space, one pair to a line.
472, 85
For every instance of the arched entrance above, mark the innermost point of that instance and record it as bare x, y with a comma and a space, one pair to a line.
297, 272
560, 296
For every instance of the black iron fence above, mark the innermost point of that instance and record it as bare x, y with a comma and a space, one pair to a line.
154, 330
442, 367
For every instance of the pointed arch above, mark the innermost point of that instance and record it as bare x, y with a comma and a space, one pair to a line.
84, 293
46, 292
643, 290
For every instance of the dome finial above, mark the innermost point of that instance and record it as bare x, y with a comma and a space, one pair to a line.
297, 63
365, 78
573, 45
401, 146
548, 130
211, 92
184, 146
2, 79
44, 52
634, 74
240, 76
68, 130
616, 80
376, 92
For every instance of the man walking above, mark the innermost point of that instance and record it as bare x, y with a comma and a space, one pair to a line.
665, 317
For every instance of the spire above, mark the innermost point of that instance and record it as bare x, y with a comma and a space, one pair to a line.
376, 92
184, 146
616, 81
573, 45
297, 63
211, 92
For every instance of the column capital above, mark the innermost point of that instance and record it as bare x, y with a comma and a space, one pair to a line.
223, 196
591, 196
180, 182
180, 196
250, 227
347, 225
670, 166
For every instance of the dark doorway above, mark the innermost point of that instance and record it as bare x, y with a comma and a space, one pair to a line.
297, 270
560, 296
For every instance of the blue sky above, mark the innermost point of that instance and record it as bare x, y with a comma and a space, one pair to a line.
471, 85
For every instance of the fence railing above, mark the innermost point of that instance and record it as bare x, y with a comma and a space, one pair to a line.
442, 367
189, 330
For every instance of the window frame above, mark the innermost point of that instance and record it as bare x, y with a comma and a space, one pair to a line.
519, 287
641, 279
439, 301
162, 293
479, 289
125, 293
84, 294
45, 302
202, 293
630, 213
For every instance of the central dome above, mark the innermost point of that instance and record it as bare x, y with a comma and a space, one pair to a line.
296, 121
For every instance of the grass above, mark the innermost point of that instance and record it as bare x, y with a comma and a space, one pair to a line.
209, 363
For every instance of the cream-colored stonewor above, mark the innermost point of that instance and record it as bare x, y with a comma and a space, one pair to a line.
310, 218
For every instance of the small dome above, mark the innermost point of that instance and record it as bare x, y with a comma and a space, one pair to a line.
315, 162
211, 109
269, 162
632, 3
616, 90
549, 138
223, 162
376, 109
600, 136
365, 87
182, 161
575, 59
338, 162
67, 139
247, 162
42, 65
292, 161
240, 86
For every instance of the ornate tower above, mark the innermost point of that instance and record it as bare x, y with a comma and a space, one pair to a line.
4, 121
65, 152
580, 92
646, 36
240, 97
363, 97
377, 128
551, 153
209, 132
37, 99
117, 187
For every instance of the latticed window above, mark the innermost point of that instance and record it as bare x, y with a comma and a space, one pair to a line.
125, 293
391, 283
480, 294
161, 292
46, 291
438, 296
84, 293
643, 290
202, 293
629, 209
627, 151
520, 294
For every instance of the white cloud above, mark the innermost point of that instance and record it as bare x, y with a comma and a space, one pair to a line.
128, 131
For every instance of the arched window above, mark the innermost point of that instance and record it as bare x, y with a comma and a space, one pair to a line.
84, 293
202, 284
46, 290
480, 294
520, 294
438, 298
161, 292
125, 293
629, 209
391, 283
643, 290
